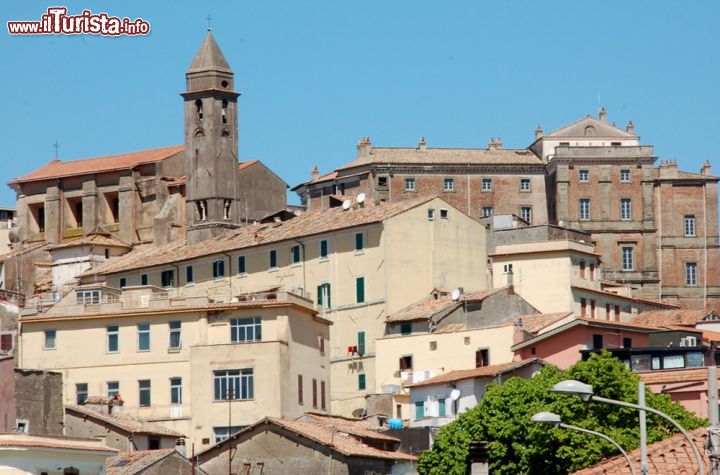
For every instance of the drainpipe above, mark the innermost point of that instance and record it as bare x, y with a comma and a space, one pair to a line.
705, 220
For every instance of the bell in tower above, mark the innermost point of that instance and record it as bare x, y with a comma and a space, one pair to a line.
211, 144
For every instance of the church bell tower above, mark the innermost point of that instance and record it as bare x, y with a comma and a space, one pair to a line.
211, 144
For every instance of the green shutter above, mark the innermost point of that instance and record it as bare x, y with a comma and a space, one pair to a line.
419, 410
359, 242
319, 295
361, 343
329, 301
361, 382
441, 407
360, 289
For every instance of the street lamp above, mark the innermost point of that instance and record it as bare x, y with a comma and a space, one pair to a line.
555, 421
585, 391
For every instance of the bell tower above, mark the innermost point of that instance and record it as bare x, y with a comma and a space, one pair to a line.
211, 145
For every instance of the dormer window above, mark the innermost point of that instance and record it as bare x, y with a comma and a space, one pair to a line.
199, 108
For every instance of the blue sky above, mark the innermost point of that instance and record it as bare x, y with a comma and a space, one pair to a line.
317, 76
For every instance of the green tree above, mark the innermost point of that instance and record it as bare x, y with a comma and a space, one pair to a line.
518, 445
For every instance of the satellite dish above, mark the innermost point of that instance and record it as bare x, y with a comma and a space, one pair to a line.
456, 294
346, 204
455, 394
361, 197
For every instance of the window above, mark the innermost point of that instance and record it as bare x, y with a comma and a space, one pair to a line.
617, 313
624, 176
673, 361
143, 336
242, 269
113, 388
419, 410
361, 382
153, 443
582, 269
113, 338
189, 275
482, 357
592, 271
607, 311
584, 175
175, 341
524, 184
167, 278
295, 252
406, 329
6, 342
597, 342
431, 214
175, 390
487, 184
360, 289
584, 209
233, 384
592, 309
300, 389
409, 184
382, 181
448, 184
583, 307
107, 253
321, 345
626, 209
691, 273
690, 225
443, 213
406, 363
123, 282
323, 249
627, 342
87, 297
221, 433
359, 241
273, 259
50, 339
218, 269
224, 111
628, 263
323, 296
526, 214
314, 393
361, 343
323, 401
245, 329
143, 279
441, 407
144, 392
487, 211
81, 393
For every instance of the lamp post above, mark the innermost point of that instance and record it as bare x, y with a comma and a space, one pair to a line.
555, 421
585, 392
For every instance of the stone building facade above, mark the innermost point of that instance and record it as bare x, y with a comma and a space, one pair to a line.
655, 227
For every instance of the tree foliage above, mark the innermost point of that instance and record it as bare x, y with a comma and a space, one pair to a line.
518, 445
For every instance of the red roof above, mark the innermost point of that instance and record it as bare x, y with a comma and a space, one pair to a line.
482, 372
125, 161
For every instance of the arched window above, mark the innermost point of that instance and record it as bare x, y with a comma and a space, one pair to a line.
202, 210
226, 209
224, 111
199, 107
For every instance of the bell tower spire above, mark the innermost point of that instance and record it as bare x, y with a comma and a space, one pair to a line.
211, 144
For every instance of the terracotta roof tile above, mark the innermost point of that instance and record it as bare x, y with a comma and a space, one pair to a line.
51, 442
358, 427
534, 323
131, 463
431, 306
124, 422
684, 375
639, 299
243, 165
251, 235
26, 249
93, 239
125, 161
482, 372
675, 317
670, 456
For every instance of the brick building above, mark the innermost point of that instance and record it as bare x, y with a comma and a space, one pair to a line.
656, 228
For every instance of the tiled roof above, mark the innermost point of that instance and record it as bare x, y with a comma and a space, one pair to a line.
93, 239
675, 317
430, 306
125, 423
684, 375
577, 130
482, 372
446, 156
125, 161
131, 463
51, 442
534, 323
357, 427
243, 165
343, 442
670, 456
26, 249
306, 224
639, 299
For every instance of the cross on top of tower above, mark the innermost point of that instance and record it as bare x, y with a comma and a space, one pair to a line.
56, 146
209, 19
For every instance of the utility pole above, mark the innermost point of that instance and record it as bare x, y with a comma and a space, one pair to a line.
713, 443
643, 430
230, 394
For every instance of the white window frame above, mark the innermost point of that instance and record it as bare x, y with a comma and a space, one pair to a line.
627, 254
689, 228
486, 184
110, 333
625, 176
249, 328
487, 211
691, 274
584, 176
176, 390
448, 184
584, 208
54, 339
172, 331
525, 184
410, 184
625, 209
241, 381
528, 219
112, 392
141, 333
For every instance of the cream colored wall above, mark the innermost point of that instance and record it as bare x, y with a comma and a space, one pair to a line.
289, 346
452, 353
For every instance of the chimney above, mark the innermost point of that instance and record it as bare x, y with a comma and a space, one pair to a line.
510, 286
630, 128
668, 169
421, 144
495, 143
314, 173
602, 115
364, 147
538, 132
706, 168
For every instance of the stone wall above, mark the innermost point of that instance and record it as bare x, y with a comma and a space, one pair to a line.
38, 397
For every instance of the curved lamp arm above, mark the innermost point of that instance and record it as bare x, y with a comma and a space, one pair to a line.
598, 434
698, 457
